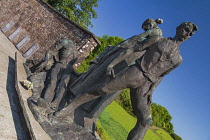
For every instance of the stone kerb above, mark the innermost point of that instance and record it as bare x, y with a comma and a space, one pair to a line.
35, 130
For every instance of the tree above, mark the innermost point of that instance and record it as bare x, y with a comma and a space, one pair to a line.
161, 118
105, 41
176, 137
124, 100
79, 11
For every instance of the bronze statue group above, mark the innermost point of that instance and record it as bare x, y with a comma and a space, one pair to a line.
148, 58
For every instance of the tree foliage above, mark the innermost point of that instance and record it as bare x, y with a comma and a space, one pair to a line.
161, 118
79, 11
176, 137
124, 100
105, 41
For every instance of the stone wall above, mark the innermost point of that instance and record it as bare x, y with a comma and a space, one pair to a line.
33, 26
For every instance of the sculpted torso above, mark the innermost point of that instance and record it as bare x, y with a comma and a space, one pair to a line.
159, 58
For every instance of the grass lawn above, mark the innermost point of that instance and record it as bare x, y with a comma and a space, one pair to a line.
115, 123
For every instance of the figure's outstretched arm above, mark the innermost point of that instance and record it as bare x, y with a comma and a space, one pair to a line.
48, 57
148, 33
146, 43
141, 37
118, 59
138, 47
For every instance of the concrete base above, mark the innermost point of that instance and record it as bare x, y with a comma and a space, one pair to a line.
16, 120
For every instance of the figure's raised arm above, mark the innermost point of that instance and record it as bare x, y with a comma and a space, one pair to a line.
148, 33
118, 59
128, 52
146, 43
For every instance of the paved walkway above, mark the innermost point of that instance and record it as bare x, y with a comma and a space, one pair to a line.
10, 124
11, 120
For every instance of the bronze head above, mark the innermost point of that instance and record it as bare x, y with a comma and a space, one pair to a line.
151, 23
185, 30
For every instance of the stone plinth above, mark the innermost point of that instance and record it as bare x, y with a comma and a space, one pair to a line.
13, 122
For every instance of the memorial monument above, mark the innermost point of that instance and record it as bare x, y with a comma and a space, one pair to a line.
66, 104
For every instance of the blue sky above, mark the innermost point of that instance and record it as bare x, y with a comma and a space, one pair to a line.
185, 91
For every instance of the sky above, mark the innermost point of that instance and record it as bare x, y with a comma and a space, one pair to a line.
185, 91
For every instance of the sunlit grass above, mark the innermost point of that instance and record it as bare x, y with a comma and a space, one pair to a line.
115, 124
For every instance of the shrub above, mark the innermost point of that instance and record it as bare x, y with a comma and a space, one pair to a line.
176, 137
